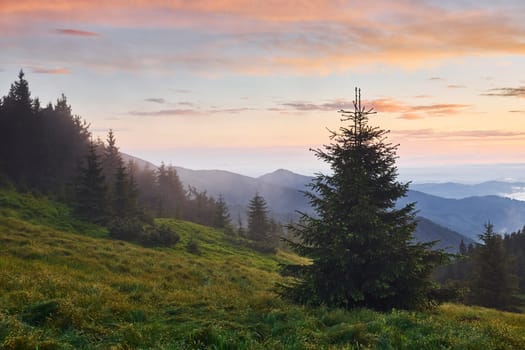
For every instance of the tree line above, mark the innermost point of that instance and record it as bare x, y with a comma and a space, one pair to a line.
490, 273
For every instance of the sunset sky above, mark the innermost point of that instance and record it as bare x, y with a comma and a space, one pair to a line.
250, 86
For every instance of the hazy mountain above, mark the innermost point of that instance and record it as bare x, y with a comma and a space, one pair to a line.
514, 190
140, 163
428, 231
283, 200
468, 215
283, 177
281, 189
237, 191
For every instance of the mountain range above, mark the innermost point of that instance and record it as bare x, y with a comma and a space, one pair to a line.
515, 190
445, 219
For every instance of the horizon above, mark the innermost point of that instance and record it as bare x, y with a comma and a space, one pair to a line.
468, 174
251, 87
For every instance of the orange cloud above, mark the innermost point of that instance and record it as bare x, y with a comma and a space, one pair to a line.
301, 36
76, 32
433, 134
40, 70
383, 105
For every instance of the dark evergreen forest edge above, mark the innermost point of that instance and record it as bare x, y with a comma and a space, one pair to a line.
87, 262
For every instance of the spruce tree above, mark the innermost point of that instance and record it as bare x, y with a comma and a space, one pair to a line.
222, 216
123, 198
91, 190
493, 284
258, 222
112, 159
361, 246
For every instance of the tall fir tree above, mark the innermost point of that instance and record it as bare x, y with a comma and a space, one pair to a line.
124, 195
17, 134
221, 218
258, 221
361, 246
91, 191
112, 159
493, 284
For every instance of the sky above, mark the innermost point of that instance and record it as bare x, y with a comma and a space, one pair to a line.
251, 86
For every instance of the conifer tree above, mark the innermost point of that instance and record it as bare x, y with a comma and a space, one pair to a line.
462, 248
493, 285
112, 159
124, 194
17, 133
222, 215
361, 246
91, 190
258, 221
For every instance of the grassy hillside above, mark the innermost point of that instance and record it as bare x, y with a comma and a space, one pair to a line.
64, 290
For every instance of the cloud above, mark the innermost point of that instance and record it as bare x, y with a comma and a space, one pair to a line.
439, 109
76, 32
382, 105
155, 100
517, 111
182, 91
231, 110
454, 86
435, 78
433, 134
166, 113
301, 37
330, 106
40, 70
413, 112
507, 92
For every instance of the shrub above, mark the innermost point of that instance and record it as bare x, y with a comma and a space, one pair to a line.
127, 229
159, 235
193, 247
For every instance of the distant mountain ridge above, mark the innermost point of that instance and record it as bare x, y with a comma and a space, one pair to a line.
283, 177
449, 240
468, 215
282, 191
515, 190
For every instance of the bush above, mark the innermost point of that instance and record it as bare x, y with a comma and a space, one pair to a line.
127, 229
193, 247
159, 235
134, 230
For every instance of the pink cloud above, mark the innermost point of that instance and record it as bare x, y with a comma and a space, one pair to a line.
303, 37
382, 105
40, 70
76, 32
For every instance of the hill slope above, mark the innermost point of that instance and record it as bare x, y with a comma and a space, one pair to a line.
62, 290
428, 231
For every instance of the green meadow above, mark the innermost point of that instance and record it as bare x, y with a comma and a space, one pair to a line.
65, 285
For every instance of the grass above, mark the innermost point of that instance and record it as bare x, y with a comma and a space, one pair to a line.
63, 290
43, 211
